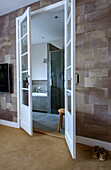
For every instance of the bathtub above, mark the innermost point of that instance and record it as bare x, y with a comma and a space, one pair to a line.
39, 94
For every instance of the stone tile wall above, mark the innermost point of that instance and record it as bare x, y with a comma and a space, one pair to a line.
93, 63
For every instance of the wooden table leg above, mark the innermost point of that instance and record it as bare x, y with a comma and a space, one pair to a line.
59, 122
61, 119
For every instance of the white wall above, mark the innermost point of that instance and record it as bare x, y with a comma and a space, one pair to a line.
39, 69
38, 54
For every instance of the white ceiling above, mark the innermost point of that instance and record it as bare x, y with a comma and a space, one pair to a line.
45, 25
7, 6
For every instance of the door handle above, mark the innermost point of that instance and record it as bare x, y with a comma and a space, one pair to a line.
27, 82
77, 78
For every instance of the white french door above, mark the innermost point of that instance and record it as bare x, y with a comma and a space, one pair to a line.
70, 113
25, 71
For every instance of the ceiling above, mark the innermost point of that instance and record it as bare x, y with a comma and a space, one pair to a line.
45, 27
7, 6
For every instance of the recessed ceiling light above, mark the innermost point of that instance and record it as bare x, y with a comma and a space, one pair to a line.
56, 17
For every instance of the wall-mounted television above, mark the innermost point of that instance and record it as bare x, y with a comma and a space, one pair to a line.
4, 78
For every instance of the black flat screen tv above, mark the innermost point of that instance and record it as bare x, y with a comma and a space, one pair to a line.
4, 78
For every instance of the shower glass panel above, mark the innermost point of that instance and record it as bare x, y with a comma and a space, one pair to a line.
56, 80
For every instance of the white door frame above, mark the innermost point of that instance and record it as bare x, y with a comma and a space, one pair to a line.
55, 6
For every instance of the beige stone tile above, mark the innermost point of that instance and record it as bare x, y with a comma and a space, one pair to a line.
89, 54
14, 119
89, 64
35, 6
105, 82
80, 59
88, 118
89, 108
98, 72
7, 58
101, 53
95, 39
91, 82
97, 15
80, 29
80, 41
80, 10
8, 106
44, 3
101, 4
3, 103
80, 100
20, 12
80, 20
98, 24
106, 95
96, 129
6, 21
80, 2
89, 7
109, 106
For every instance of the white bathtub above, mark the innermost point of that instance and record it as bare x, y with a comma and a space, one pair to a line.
39, 94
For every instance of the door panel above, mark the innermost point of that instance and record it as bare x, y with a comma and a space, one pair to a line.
25, 72
70, 114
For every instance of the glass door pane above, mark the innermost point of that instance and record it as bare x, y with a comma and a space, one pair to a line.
24, 61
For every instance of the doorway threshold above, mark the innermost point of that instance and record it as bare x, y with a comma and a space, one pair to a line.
49, 133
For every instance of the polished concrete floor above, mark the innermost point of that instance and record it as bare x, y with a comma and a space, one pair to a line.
45, 121
20, 151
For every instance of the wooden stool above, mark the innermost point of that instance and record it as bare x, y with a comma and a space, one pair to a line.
61, 112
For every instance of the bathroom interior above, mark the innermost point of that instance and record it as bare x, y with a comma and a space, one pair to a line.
47, 60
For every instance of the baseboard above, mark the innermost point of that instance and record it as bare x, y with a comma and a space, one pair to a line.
92, 142
8, 123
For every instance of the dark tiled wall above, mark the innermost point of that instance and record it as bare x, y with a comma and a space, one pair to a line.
8, 102
94, 66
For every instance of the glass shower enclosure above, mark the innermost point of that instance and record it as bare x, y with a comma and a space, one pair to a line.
56, 71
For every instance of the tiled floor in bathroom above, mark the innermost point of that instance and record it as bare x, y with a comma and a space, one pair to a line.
45, 121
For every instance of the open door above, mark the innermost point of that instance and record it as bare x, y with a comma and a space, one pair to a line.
70, 111
25, 71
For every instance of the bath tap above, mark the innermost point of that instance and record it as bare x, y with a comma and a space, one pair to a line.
35, 89
40, 90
